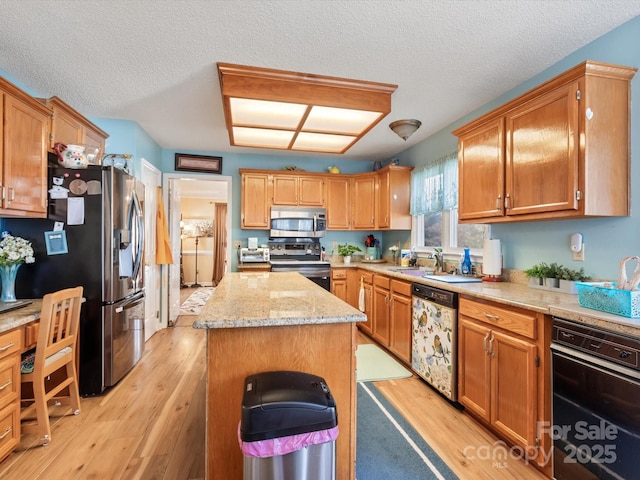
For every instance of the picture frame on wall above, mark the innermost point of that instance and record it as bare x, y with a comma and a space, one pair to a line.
198, 163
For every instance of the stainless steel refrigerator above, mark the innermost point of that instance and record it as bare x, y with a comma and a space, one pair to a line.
102, 220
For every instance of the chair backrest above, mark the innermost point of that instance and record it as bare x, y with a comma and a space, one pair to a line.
59, 322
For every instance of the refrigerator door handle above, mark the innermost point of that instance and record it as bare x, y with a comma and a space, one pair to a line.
129, 301
136, 216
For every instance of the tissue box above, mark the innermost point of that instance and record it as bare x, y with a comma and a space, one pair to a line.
597, 296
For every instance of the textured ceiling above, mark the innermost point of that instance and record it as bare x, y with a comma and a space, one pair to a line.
154, 61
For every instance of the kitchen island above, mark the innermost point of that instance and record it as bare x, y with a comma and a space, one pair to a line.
258, 322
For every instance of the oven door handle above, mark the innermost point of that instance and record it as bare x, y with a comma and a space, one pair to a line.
594, 362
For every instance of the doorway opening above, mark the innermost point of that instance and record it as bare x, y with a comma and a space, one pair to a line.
192, 201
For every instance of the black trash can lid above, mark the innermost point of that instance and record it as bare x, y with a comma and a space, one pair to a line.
282, 403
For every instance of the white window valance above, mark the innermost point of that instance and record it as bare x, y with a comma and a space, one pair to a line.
434, 187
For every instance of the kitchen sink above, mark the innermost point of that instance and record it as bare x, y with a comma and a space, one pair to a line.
409, 271
441, 277
449, 278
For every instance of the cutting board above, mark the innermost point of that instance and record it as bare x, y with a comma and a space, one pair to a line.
452, 278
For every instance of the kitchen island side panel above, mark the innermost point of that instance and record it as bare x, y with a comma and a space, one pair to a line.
326, 350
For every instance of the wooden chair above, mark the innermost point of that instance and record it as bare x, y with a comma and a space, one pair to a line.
56, 350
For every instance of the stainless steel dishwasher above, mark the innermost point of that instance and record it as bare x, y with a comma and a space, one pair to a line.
434, 338
596, 402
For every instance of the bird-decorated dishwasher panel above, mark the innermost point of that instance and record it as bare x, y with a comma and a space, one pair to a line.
434, 345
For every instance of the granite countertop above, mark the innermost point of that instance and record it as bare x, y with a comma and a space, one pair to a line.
22, 316
259, 299
559, 304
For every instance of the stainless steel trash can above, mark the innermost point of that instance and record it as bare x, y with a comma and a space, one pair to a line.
288, 427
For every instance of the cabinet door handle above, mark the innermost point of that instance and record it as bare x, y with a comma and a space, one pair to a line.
491, 352
9, 382
491, 317
7, 346
499, 202
484, 341
7, 432
507, 201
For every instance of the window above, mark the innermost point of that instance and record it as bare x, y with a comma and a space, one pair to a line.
434, 206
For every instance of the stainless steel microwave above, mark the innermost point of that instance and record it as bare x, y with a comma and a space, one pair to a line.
298, 222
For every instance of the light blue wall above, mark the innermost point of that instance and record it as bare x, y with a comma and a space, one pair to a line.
126, 136
606, 240
231, 162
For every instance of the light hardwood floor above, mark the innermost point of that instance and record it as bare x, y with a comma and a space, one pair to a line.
151, 425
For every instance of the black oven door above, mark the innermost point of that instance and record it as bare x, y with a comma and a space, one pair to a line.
596, 418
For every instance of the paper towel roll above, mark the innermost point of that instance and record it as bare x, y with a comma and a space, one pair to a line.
491, 257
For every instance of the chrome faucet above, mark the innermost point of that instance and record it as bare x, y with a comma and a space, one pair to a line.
439, 257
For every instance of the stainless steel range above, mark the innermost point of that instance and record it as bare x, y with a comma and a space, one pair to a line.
302, 255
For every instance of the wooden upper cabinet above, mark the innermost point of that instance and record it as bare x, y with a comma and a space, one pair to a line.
255, 201
393, 197
542, 154
481, 171
298, 190
362, 201
338, 202
363, 198
560, 150
25, 129
311, 191
68, 126
285, 190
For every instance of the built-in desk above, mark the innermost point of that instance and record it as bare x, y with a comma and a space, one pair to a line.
18, 333
259, 322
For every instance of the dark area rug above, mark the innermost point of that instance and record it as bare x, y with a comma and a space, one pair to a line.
388, 448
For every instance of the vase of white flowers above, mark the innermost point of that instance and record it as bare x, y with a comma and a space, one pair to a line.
14, 251
394, 251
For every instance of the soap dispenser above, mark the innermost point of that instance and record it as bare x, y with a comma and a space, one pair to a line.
465, 268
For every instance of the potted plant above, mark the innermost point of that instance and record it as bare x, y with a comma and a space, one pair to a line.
550, 274
535, 274
569, 277
346, 250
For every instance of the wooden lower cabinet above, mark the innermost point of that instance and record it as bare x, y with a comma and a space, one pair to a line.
10, 347
391, 324
367, 285
501, 377
339, 283
400, 320
381, 329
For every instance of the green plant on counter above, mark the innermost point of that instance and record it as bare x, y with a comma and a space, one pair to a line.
347, 250
573, 275
536, 271
553, 270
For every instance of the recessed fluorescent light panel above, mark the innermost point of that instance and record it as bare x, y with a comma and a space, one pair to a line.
278, 109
